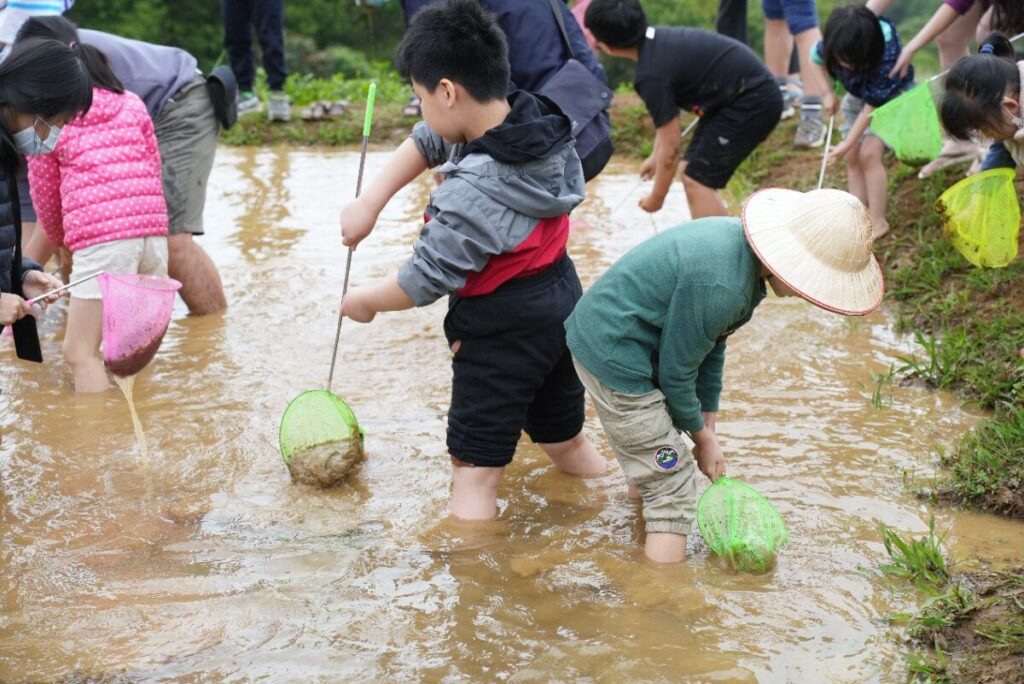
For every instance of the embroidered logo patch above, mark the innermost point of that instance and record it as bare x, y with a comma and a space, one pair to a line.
666, 458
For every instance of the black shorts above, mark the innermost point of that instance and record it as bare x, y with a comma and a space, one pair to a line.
725, 138
513, 371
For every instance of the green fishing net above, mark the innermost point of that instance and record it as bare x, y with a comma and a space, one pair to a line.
740, 525
321, 441
981, 216
909, 124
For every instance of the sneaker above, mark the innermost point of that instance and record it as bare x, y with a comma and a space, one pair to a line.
792, 94
248, 102
810, 132
279, 107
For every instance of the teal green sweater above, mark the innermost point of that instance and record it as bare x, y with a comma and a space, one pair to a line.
670, 301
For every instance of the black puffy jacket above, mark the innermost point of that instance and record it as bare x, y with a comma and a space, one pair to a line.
10, 226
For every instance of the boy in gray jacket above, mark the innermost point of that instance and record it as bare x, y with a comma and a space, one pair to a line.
494, 242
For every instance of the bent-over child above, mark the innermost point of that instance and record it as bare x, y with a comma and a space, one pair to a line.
649, 337
860, 50
717, 78
494, 242
983, 99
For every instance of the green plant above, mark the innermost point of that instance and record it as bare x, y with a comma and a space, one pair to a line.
882, 387
920, 561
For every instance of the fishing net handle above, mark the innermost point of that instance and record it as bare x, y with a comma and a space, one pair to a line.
367, 122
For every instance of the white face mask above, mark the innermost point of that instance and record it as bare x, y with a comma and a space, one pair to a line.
30, 144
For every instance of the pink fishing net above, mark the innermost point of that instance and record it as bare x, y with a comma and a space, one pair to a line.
136, 311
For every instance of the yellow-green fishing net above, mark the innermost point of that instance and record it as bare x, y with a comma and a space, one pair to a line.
909, 124
981, 215
740, 525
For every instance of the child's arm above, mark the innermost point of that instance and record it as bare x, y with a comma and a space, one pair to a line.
666, 159
458, 240
44, 185
39, 247
363, 303
359, 216
878, 6
859, 126
940, 21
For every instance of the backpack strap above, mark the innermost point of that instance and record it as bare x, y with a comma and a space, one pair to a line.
555, 7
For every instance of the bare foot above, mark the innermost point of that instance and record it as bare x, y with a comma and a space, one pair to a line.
879, 229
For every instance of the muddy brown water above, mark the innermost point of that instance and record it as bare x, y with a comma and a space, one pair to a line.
228, 571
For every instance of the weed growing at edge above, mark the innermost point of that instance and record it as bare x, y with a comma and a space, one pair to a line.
920, 561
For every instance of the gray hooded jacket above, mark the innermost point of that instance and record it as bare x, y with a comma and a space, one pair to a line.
502, 209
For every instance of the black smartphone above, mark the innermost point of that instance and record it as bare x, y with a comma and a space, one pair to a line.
26, 340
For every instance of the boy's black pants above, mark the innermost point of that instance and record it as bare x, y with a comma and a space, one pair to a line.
513, 371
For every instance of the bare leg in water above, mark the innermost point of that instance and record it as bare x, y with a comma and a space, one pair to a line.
475, 489
201, 287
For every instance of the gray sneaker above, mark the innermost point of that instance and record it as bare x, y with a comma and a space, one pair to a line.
810, 132
248, 102
279, 107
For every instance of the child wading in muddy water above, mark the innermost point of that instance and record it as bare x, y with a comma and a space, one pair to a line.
719, 78
100, 194
494, 242
860, 50
649, 337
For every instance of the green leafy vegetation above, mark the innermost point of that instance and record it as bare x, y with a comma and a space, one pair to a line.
920, 561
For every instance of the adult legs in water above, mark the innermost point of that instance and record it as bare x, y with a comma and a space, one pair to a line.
201, 286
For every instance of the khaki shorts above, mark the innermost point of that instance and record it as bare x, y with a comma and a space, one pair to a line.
651, 452
851, 108
187, 133
137, 255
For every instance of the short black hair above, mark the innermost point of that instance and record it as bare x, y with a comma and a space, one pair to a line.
853, 34
95, 61
975, 87
616, 23
44, 78
457, 40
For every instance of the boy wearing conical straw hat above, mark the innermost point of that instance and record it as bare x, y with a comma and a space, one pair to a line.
649, 337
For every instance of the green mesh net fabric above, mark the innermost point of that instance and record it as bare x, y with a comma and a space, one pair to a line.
315, 418
909, 124
981, 216
740, 525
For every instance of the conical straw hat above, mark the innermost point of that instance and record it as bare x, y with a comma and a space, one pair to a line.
819, 244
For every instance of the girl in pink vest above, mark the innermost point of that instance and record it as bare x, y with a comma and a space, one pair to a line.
100, 195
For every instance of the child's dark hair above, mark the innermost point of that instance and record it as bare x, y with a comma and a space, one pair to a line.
44, 78
616, 23
59, 28
975, 88
457, 40
852, 36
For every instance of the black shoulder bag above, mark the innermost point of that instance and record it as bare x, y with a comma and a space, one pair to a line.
585, 99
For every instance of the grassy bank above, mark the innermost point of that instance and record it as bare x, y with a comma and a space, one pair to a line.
971, 626
970, 327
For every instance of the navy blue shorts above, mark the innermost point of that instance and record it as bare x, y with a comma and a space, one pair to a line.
513, 371
800, 15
